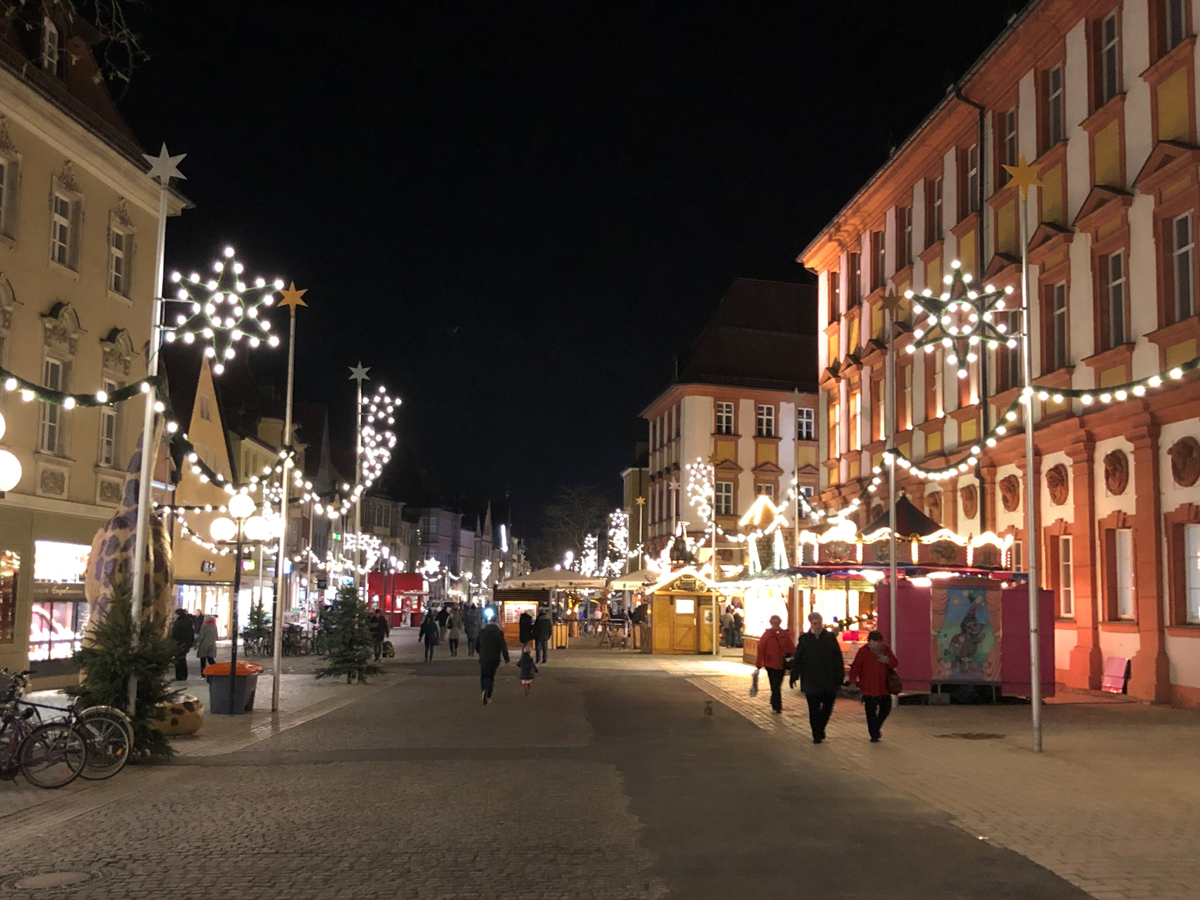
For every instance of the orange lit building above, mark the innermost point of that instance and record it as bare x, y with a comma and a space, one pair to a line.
1101, 96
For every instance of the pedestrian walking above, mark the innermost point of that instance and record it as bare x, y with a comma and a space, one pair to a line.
870, 669
727, 626
819, 668
443, 614
525, 628
527, 666
379, 631
774, 648
198, 620
491, 646
543, 626
206, 643
428, 634
453, 632
183, 633
471, 627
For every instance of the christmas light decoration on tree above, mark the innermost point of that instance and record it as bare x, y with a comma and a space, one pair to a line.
618, 542
702, 491
378, 440
223, 310
589, 561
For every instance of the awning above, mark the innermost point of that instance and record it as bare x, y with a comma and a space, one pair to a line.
634, 581
555, 579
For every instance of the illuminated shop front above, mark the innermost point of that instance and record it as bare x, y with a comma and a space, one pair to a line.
59, 611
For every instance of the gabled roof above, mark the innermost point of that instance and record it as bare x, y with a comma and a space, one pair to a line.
909, 521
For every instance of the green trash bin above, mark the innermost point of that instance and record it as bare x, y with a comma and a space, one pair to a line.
244, 689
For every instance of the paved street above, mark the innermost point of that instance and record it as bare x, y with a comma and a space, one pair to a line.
613, 781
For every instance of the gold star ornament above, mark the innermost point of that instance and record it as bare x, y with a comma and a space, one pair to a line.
891, 303
1024, 176
291, 297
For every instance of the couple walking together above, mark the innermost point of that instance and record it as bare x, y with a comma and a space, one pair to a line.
816, 662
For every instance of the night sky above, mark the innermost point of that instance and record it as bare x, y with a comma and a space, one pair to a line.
518, 213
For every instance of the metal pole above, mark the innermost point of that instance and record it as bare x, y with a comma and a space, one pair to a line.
358, 497
149, 451
890, 427
281, 556
1035, 688
233, 628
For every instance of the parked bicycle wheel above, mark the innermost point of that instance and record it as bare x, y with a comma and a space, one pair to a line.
53, 755
109, 736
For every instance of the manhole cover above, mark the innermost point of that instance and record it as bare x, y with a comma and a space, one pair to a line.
49, 881
973, 736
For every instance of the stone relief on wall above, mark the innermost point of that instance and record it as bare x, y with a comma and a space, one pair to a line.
1116, 472
970, 500
1010, 492
1185, 461
933, 507
52, 482
110, 491
1058, 484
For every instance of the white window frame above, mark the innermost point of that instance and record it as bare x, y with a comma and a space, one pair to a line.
1191, 572
122, 256
1059, 336
767, 489
939, 232
878, 259
765, 420
1010, 138
50, 50
51, 420
973, 178
725, 417
1114, 296
1066, 580
807, 490
1110, 57
1124, 568
1055, 107
110, 428
806, 424
906, 230
8, 193
62, 228
723, 498
1183, 249
1018, 556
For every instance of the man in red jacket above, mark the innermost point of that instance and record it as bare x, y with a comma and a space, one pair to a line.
869, 670
774, 647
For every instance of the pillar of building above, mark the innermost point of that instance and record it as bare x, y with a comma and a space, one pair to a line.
1085, 664
988, 492
1150, 677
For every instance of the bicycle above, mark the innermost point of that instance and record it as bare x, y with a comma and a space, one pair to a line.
107, 730
50, 755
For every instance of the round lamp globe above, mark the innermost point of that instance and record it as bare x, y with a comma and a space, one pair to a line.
222, 529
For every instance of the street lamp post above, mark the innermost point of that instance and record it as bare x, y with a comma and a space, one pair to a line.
243, 527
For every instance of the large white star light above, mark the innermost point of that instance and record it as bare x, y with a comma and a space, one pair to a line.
223, 310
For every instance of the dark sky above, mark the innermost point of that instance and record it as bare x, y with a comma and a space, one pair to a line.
517, 213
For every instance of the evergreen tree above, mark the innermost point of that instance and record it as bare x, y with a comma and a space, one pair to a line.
350, 644
259, 626
108, 659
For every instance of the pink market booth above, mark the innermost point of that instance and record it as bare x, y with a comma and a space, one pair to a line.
967, 630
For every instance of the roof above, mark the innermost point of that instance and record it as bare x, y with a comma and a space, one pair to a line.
309, 420
762, 335
182, 365
909, 521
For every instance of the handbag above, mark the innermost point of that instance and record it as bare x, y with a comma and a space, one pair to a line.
754, 684
894, 683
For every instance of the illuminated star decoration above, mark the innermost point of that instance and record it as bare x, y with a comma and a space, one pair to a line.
164, 167
1024, 176
960, 319
359, 373
290, 298
223, 310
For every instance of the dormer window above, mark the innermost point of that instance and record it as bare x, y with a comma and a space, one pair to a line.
49, 46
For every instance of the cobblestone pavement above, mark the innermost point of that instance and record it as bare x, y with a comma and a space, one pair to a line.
615, 780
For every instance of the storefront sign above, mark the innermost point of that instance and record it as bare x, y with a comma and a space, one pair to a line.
208, 566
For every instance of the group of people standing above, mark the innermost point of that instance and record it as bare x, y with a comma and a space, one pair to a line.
190, 631
732, 624
816, 662
450, 624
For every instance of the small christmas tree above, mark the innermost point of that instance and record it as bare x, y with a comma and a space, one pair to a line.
350, 642
259, 627
108, 659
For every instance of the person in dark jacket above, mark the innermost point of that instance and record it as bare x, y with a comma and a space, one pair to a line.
869, 671
429, 634
774, 647
442, 615
471, 627
819, 668
527, 666
491, 646
542, 627
183, 633
379, 631
525, 628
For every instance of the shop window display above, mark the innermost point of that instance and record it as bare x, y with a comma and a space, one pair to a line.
59, 611
10, 566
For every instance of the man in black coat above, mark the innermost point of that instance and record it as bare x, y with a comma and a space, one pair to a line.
525, 628
541, 634
819, 667
491, 646
183, 633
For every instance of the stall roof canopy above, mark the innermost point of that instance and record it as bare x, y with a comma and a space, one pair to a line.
552, 578
634, 581
909, 521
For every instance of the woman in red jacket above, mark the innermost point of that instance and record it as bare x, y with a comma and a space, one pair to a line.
774, 647
869, 671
